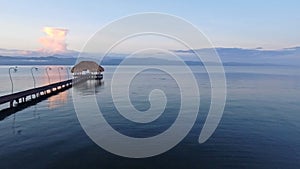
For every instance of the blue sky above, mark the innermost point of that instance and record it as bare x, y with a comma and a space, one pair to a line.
245, 24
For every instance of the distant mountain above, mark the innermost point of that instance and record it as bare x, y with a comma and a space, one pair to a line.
49, 60
229, 57
286, 56
36, 53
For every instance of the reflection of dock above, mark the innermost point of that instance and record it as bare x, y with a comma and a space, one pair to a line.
40, 93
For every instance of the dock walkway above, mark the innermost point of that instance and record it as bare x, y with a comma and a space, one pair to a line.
22, 97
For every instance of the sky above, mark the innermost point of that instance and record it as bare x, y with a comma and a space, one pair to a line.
233, 24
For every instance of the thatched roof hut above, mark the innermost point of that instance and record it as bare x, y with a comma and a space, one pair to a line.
90, 66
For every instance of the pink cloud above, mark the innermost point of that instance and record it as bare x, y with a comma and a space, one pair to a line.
54, 41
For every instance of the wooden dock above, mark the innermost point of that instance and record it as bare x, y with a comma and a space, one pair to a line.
38, 93
83, 71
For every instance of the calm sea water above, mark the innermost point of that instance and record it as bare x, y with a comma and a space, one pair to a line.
260, 127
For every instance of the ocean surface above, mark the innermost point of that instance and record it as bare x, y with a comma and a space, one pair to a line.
260, 127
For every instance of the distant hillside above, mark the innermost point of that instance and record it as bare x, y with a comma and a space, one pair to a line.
51, 60
286, 56
229, 57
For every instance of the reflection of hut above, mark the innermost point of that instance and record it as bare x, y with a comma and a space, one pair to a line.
88, 68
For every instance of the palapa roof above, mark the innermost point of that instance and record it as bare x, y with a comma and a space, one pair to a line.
87, 65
